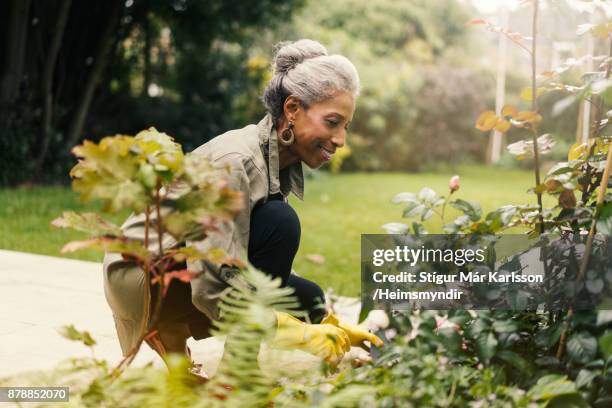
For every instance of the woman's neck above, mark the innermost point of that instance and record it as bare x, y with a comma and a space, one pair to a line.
286, 157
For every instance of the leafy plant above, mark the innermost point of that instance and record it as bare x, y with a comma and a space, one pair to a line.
539, 351
149, 174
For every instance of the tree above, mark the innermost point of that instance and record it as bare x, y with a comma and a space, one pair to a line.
77, 68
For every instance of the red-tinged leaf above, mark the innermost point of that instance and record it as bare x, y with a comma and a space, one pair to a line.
477, 21
184, 275
110, 244
567, 199
553, 186
78, 245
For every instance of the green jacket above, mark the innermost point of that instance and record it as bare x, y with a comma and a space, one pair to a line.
243, 149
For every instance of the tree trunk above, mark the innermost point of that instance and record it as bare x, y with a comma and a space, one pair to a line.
101, 60
147, 56
47, 84
15, 52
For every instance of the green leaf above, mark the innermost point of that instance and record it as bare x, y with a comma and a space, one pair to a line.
550, 336
418, 228
71, 333
395, 228
559, 168
604, 402
604, 317
518, 299
200, 211
604, 221
451, 339
505, 326
108, 171
404, 198
594, 285
471, 209
551, 386
486, 344
459, 317
160, 150
477, 327
585, 377
90, 223
515, 360
605, 344
426, 214
582, 347
427, 195
568, 401
213, 255
413, 208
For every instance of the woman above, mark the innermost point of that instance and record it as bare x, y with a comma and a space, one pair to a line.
310, 102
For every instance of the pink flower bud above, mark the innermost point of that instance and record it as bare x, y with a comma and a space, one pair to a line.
453, 183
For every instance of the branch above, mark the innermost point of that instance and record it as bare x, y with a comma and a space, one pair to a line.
603, 185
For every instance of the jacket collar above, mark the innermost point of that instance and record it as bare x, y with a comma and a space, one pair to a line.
290, 179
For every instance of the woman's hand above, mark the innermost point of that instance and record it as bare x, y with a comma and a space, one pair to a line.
323, 340
356, 334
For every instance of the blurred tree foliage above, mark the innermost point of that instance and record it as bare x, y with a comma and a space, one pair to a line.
74, 69
195, 69
421, 85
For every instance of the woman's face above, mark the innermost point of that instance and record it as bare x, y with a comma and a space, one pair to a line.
321, 129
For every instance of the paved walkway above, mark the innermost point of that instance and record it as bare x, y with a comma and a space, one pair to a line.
39, 294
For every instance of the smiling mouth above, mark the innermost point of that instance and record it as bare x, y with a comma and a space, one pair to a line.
326, 154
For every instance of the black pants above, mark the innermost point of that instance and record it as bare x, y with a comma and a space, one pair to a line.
274, 239
273, 242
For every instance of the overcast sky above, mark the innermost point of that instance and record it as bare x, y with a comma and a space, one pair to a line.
490, 6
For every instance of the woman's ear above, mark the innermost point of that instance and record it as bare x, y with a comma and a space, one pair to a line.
292, 106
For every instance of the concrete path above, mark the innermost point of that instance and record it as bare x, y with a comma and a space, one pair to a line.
39, 294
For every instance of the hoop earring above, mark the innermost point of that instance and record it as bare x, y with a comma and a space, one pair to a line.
287, 137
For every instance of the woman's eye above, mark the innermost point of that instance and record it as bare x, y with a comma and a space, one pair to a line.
332, 123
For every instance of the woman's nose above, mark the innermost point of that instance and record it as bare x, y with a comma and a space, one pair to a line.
338, 138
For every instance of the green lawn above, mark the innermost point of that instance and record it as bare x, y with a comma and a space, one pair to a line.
335, 212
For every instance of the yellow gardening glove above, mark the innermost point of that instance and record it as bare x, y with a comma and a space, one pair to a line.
322, 340
356, 334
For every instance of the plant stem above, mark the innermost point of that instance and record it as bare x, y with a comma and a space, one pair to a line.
444, 206
594, 132
603, 185
148, 269
589, 244
146, 231
162, 269
534, 108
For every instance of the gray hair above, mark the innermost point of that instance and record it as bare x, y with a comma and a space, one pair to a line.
305, 70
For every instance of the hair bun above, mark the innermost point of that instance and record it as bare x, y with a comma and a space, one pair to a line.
290, 54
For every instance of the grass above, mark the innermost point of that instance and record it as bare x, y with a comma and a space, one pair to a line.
337, 209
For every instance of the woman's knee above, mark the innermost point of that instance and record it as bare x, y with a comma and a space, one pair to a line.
278, 222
